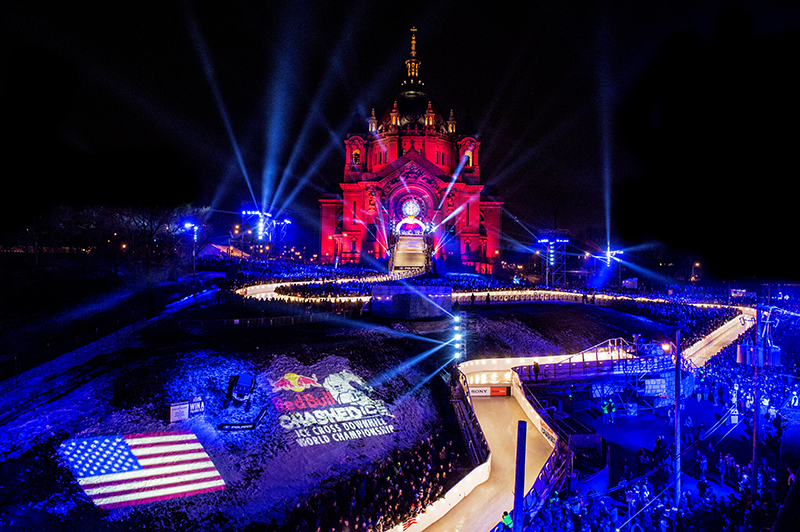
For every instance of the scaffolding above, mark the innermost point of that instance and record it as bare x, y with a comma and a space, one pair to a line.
555, 243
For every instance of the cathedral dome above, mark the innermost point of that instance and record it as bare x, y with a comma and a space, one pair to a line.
415, 110
412, 109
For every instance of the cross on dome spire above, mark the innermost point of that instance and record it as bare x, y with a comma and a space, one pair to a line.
412, 63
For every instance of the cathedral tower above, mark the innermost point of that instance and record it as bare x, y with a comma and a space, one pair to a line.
412, 173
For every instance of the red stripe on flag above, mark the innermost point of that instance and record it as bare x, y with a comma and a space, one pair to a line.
170, 454
160, 498
210, 467
158, 434
410, 521
153, 488
160, 444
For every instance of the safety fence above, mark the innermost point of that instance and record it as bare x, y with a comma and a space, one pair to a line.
477, 446
613, 357
253, 323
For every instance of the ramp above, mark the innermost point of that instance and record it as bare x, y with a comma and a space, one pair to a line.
409, 253
483, 508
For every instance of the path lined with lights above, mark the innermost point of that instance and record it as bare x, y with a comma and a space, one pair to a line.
267, 291
712, 344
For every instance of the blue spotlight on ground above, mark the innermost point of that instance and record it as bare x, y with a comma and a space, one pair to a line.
390, 374
422, 383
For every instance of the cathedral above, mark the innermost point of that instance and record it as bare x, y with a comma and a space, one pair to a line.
412, 191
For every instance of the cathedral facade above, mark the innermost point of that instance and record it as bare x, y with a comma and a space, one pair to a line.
412, 173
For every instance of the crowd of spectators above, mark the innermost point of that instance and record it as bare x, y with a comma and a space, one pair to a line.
645, 510
239, 306
247, 272
719, 496
389, 494
697, 322
463, 283
328, 289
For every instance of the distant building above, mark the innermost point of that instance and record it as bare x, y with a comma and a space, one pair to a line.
411, 181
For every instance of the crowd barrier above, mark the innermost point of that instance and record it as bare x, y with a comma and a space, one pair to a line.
253, 323
479, 452
557, 463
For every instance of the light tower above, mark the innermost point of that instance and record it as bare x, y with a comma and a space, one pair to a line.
460, 335
268, 229
555, 243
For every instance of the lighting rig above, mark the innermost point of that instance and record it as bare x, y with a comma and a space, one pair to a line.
555, 244
263, 229
460, 335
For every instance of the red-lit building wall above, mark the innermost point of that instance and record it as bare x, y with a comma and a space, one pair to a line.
412, 158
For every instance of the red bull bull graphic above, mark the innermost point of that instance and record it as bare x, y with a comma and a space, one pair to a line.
341, 410
295, 383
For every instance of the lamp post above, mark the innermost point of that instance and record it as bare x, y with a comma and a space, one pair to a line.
678, 419
189, 225
669, 347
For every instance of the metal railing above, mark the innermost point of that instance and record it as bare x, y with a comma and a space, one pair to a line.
477, 446
612, 357
247, 323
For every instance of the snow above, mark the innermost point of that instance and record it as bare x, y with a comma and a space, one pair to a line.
265, 469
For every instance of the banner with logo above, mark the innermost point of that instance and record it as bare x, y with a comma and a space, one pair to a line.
322, 411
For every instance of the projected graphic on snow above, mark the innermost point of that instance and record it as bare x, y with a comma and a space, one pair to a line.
125, 470
336, 410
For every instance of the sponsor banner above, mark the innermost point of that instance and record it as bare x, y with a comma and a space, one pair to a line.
196, 406
236, 426
243, 426
336, 409
547, 432
183, 410
178, 411
489, 391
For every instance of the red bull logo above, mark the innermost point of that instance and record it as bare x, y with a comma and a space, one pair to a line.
296, 383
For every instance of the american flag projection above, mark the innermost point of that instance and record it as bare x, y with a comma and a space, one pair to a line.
133, 469
408, 522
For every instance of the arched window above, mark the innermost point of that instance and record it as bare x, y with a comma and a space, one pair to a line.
355, 158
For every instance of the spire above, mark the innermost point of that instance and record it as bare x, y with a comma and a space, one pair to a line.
412, 63
372, 122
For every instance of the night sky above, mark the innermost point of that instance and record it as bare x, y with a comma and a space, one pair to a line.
688, 109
